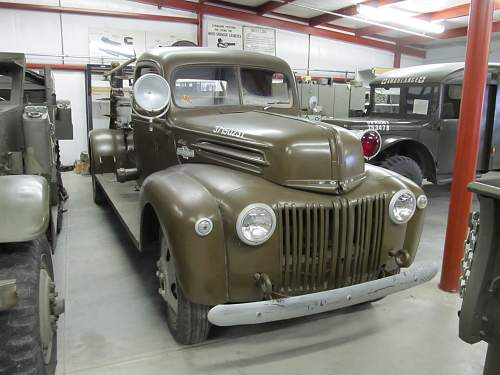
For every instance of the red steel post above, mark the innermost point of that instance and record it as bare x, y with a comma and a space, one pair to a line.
476, 69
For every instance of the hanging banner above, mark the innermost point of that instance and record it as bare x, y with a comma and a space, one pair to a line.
224, 35
259, 39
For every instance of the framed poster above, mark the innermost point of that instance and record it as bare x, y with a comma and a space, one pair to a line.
259, 39
224, 35
115, 44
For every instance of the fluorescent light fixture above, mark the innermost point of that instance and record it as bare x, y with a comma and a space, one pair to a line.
390, 15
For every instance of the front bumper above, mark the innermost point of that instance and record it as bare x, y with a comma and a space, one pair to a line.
315, 303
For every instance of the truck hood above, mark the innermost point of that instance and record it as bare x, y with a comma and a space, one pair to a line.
287, 150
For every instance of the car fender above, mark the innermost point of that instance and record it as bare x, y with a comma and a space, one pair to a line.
107, 150
175, 201
412, 148
24, 204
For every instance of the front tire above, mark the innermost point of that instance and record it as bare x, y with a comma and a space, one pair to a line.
187, 321
405, 166
28, 332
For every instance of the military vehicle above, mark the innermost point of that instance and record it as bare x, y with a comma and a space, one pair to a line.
480, 281
416, 112
256, 214
31, 198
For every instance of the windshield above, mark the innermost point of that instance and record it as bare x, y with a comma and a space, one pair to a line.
204, 86
409, 101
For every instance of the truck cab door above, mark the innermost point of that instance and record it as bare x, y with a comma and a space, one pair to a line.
448, 130
494, 154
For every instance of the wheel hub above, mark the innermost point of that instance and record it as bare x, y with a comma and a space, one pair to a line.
168, 277
50, 307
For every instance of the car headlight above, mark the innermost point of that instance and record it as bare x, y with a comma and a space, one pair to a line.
402, 206
256, 224
152, 94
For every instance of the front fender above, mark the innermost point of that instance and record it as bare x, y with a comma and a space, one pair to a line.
107, 150
178, 201
24, 208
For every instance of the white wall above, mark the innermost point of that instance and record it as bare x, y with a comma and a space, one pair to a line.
456, 52
70, 85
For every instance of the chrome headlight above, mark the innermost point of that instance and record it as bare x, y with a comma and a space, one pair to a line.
256, 224
152, 94
402, 206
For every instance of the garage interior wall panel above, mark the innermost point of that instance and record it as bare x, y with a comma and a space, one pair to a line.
327, 55
34, 32
456, 52
70, 85
124, 6
76, 29
407, 61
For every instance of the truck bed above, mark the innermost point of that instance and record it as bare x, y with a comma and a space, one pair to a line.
124, 199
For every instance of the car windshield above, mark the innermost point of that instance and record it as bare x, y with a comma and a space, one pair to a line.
204, 86
408, 101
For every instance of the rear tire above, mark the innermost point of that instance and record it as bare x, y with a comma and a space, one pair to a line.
187, 321
405, 166
98, 194
21, 343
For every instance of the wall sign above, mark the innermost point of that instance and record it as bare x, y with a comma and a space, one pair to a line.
224, 35
259, 39
110, 43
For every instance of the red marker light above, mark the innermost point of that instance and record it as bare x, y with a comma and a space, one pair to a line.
370, 141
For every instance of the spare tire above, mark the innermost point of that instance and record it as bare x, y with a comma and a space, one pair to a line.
405, 166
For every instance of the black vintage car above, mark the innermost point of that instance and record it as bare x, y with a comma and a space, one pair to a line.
415, 110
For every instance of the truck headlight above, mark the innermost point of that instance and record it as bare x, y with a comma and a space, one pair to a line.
152, 94
402, 206
256, 224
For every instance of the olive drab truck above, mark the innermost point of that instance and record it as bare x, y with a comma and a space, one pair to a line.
31, 207
253, 213
415, 112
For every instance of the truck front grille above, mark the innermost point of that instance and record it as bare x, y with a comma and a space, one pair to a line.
331, 246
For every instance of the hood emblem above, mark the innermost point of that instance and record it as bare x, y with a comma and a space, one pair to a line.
185, 152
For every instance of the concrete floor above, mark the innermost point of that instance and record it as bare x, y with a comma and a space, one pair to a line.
115, 322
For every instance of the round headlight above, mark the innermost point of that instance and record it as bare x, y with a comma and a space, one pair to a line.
256, 224
402, 206
152, 93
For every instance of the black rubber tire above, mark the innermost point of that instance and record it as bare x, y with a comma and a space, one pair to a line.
190, 324
98, 194
20, 341
405, 166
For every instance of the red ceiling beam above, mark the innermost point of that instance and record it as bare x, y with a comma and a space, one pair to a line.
348, 11
244, 16
440, 15
95, 12
57, 66
271, 5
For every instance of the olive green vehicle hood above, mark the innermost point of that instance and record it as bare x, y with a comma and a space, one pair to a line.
287, 150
